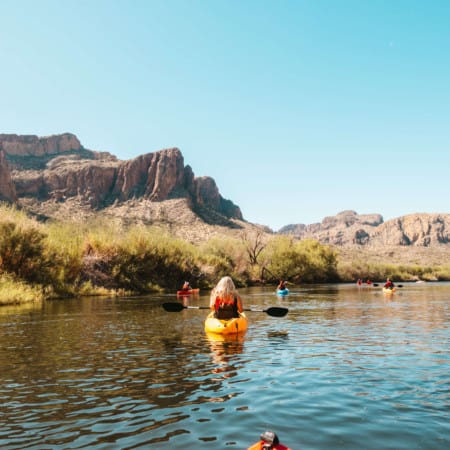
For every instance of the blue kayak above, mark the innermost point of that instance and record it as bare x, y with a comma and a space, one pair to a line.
284, 291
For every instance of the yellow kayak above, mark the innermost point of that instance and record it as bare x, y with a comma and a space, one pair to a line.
230, 326
388, 291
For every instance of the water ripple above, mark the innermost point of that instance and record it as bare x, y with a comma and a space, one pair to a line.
344, 369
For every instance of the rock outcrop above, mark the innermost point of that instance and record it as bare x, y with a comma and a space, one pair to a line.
7, 188
346, 228
57, 177
31, 145
58, 168
422, 230
154, 176
350, 229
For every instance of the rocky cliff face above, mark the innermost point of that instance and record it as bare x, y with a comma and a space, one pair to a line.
7, 188
30, 145
346, 228
349, 229
421, 230
59, 168
57, 177
154, 176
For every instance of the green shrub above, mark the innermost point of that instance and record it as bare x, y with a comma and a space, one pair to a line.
23, 253
13, 291
299, 261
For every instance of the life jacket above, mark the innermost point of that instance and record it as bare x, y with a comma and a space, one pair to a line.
269, 441
226, 308
261, 445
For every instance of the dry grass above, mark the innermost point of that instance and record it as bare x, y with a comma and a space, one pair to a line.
17, 292
398, 255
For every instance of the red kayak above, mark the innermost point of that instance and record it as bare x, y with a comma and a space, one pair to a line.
188, 291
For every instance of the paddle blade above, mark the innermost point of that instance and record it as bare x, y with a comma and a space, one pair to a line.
276, 311
173, 307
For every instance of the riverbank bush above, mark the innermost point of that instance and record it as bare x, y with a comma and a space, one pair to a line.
305, 261
13, 291
102, 257
349, 271
221, 257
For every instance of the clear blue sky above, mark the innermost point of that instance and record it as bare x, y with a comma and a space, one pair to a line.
297, 109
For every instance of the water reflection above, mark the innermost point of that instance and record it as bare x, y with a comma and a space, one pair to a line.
224, 348
124, 373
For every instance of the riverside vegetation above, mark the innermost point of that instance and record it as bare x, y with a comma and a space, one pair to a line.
43, 260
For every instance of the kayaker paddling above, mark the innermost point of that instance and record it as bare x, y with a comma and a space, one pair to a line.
187, 289
269, 441
282, 289
225, 300
186, 286
389, 284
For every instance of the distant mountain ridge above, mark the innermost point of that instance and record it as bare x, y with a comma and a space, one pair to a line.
348, 228
56, 177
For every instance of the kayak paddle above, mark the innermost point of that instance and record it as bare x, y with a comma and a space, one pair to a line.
274, 311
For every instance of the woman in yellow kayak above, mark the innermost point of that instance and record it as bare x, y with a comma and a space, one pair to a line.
225, 300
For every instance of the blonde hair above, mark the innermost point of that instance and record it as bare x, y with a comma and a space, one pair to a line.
225, 288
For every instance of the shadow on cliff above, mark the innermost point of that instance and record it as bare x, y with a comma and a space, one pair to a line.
212, 217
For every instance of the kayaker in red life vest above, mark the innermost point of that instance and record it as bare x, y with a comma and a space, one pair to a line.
269, 441
389, 284
225, 299
186, 286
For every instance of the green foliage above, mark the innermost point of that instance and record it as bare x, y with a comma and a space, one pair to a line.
351, 271
141, 259
225, 257
440, 273
103, 257
13, 291
65, 245
300, 261
23, 253
321, 261
282, 261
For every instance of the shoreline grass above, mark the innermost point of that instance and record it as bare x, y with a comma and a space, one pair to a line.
57, 259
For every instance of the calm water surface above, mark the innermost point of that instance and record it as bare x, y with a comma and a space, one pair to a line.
346, 368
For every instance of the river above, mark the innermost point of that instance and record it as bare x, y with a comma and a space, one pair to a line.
347, 368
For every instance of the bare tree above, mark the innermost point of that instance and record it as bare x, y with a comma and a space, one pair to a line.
254, 244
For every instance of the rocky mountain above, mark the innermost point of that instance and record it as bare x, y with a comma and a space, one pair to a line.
56, 176
351, 229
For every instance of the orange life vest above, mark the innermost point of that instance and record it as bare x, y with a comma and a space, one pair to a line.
226, 308
259, 446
